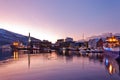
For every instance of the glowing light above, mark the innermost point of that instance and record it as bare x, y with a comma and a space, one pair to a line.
15, 55
106, 62
112, 39
15, 43
110, 69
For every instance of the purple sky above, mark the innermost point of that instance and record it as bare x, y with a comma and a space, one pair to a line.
53, 19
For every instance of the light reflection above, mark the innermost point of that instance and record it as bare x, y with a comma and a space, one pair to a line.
111, 66
110, 69
106, 62
16, 55
28, 59
52, 56
75, 62
64, 52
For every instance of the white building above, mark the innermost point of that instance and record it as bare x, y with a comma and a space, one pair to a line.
95, 43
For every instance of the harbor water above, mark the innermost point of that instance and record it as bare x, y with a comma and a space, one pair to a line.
59, 66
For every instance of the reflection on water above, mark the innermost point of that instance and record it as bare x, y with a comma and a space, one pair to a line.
15, 55
28, 60
70, 65
5, 54
112, 66
52, 56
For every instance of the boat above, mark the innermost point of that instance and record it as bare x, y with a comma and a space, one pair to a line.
112, 47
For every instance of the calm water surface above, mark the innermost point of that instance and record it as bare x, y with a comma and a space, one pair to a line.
59, 66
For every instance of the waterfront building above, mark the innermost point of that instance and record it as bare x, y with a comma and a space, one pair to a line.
59, 42
45, 44
95, 43
79, 44
118, 38
17, 44
35, 44
7, 46
69, 39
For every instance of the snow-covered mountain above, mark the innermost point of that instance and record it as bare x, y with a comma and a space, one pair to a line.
7, 37
117, 34
104, 35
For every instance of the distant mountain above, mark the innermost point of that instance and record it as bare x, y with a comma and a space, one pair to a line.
104, 35
117, 34
7, 37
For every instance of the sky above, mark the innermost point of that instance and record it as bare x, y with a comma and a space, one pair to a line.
56, 19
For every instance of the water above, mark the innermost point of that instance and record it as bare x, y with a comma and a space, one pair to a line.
59, 66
